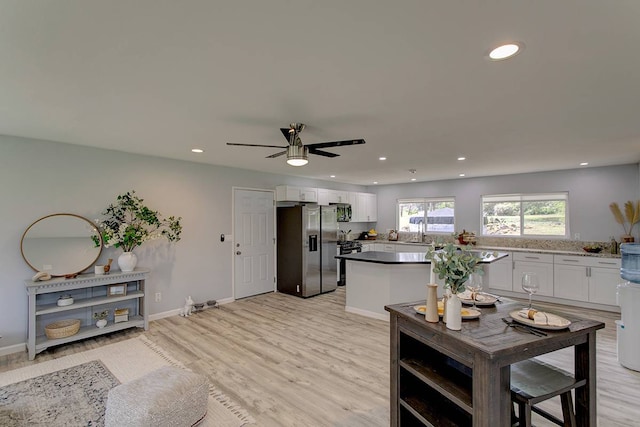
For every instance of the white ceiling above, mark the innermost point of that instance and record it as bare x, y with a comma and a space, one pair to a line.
159, 77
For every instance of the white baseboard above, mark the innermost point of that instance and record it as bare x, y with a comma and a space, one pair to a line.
10, 349
367, 313
177, 311
158, 316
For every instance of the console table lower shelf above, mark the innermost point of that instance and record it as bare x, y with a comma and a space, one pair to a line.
89, 331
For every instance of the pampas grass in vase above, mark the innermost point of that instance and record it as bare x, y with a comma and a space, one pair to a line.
630, 217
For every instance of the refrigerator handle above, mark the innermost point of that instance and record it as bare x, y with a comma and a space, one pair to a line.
313, 242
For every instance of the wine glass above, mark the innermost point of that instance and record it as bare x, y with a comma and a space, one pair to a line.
530, 284
474, 284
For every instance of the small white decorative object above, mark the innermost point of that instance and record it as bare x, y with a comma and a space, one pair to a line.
65, 300
101, 323
188, 307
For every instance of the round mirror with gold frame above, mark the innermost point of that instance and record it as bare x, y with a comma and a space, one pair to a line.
61, 244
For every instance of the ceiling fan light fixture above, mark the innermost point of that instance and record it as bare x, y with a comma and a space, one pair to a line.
297, 155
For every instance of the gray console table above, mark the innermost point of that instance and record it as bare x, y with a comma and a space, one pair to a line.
90, 294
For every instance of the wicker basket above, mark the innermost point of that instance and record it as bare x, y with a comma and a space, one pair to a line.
62, 328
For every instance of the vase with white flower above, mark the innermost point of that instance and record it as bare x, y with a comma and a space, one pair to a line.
129, 223
454, 265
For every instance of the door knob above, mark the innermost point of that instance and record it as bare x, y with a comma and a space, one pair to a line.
238, 253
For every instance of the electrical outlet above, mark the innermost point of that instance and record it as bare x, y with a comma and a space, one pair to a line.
576, 236
158, 296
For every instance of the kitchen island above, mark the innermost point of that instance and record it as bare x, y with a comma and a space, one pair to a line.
376, 279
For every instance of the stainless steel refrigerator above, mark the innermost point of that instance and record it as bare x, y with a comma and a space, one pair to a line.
307, 239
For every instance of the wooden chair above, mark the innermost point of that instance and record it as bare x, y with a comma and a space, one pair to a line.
533, 381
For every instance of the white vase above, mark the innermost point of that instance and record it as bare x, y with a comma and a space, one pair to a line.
454, 313
101, 323
127, 261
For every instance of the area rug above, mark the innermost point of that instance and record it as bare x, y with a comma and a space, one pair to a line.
123, 362
72, 396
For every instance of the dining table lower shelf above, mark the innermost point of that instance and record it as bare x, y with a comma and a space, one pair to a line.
442, 377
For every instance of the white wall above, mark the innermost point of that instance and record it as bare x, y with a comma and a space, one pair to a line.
38, 178
591, 190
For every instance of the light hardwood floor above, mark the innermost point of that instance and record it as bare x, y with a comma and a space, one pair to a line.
306, 362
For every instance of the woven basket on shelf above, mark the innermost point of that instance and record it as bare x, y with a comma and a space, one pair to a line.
62, 328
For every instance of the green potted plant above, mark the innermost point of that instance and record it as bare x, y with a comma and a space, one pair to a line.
454, 264
129, 223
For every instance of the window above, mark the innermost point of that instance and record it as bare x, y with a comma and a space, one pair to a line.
426, 215
525, 215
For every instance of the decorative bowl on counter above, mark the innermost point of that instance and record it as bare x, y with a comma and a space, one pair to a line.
592, 249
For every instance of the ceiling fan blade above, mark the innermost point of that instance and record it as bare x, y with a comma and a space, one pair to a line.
336, 143
255, 145
277, 154
322, 153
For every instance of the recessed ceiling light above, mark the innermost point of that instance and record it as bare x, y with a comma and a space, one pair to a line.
462, 158
332, 176
584, 163
505, 51
382, 158
375, 182
461, 174
413, 179
197, 150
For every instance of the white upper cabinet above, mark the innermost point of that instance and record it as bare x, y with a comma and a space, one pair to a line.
288, 193
364, 207
327, 196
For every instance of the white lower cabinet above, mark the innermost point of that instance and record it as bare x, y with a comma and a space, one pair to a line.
541, 264
571, 281
385, 247
404, 247
587, 279
498, 274
603, 285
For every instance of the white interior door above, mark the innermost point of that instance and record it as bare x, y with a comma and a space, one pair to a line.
254, 242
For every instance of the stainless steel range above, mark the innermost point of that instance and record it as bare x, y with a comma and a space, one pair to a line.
345, 248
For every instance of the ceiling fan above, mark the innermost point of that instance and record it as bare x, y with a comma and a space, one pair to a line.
297, 152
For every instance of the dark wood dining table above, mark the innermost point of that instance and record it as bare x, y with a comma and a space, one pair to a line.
425, 385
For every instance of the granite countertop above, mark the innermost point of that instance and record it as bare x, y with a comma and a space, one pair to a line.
602, 254
400, 257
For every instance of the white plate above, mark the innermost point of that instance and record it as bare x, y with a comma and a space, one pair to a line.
482, 300
529, 322
467, 313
